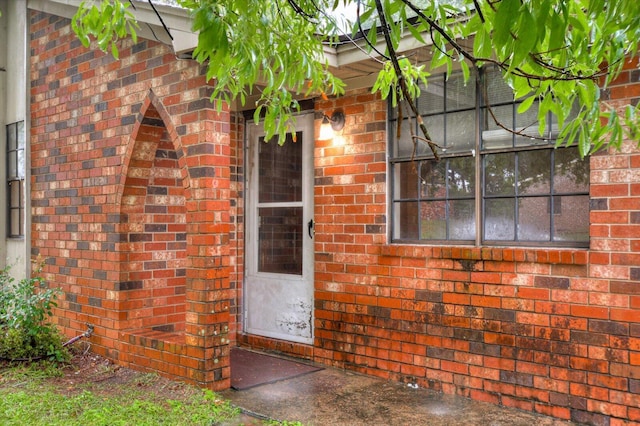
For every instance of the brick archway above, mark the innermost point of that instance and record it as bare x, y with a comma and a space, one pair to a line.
173, 294
153, 227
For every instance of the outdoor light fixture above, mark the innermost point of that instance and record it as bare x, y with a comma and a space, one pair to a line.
331, 125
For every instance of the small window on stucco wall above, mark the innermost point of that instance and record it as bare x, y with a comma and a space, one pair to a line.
490, 186
15, 179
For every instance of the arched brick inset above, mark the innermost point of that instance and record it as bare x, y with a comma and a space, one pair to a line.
153, 276
153, 255
173, 295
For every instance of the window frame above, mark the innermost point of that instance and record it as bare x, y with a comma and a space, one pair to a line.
479, 153
15, 175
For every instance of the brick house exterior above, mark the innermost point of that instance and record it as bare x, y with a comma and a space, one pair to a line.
138, 209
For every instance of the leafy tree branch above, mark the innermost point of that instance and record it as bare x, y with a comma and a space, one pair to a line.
554, 54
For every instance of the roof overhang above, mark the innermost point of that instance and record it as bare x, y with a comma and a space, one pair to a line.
177, 20
171, 25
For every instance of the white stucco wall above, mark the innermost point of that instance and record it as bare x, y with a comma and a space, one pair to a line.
13, 107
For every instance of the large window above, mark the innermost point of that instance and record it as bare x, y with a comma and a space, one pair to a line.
15, 179
490, 186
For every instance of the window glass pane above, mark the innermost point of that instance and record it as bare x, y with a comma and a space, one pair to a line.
555, 205
404, 144
16, 208
461, 133
534, 170
533, 219
432, 174
393, 112
462, 177
12, 166
499, 219
21, 135
462, 220
499, 174
527, 121
280, 168
406, 215
15, 223
280, 240
431, 99
493, 136
571, 173
435, 126
406, 180
433, 222
533, 140
503, 114
571, 218
15, 197
527, 193
553, 119
459, 94
12, 137
21, 169
15, 150
497, 90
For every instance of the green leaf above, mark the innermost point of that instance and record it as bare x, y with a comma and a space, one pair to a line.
372, 37
416, 34
521, 87
506, 11
557, 32
465, 70
526, 104
546, 46
440, 58
482, 44
526, 38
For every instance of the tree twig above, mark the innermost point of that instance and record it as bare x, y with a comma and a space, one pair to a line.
401, 81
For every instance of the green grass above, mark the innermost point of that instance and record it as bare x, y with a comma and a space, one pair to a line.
40, 394
47, 407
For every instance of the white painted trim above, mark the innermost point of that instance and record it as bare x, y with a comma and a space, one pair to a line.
176, 19
254, 280
185, 40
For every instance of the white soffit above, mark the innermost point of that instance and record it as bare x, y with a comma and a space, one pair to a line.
348, 60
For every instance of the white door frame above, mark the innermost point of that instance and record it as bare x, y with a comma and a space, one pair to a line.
279, 305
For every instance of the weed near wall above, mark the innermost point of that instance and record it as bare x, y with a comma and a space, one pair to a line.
25, 307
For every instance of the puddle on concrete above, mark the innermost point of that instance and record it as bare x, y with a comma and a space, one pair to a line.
334, 397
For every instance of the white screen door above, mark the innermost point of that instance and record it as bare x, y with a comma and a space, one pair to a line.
278, 295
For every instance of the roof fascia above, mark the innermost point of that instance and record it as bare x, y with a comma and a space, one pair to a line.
352, 52
176, 19
185, 40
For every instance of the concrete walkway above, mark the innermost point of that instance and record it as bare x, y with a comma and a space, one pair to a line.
336, 397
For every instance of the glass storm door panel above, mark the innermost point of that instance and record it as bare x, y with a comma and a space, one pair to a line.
278, 291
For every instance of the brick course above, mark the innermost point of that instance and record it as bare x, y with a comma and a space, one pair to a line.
138, 214
131, 201
546, 330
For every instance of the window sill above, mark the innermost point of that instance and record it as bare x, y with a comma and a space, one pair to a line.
558, 256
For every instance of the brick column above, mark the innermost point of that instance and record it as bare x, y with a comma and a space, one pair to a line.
208, 206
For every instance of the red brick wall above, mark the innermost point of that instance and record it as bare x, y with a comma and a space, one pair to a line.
131, 201
236, 236
553, 331
154, 259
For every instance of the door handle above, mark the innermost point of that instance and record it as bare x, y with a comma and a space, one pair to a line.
311, 229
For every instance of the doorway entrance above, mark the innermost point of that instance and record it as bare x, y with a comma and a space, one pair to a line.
278, 290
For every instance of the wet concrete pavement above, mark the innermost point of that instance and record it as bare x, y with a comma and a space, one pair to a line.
336, 397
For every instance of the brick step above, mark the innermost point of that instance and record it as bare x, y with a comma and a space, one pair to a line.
169, 341
162, 352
